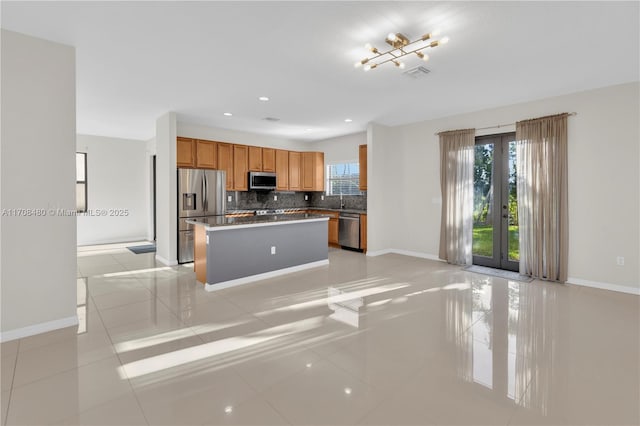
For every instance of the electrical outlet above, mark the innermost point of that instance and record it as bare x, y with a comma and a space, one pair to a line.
275, 198
229, 198
306, 197
322, 197
620, 261
273, 249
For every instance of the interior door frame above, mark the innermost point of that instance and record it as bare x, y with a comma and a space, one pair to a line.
500, 207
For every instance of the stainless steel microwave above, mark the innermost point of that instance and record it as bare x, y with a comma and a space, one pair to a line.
262, 180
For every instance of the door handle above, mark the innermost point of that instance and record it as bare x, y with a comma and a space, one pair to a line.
505, 216
204, 193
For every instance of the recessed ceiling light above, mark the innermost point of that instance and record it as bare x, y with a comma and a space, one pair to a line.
227, 114
263, 98
348, 120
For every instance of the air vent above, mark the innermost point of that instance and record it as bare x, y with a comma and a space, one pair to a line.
417, 72
271, 119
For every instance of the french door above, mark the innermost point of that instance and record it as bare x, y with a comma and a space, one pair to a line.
495, 203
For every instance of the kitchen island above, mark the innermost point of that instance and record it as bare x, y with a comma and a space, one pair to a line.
229, 251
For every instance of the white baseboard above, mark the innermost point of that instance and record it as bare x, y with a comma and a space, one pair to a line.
165, 261
272, 274
378, 252
405, 253
43, 327
604, 286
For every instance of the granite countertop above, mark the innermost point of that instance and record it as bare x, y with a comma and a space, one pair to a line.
289, 210
222, 221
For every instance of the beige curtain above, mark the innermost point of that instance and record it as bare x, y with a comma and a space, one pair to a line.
542, 197
456, 185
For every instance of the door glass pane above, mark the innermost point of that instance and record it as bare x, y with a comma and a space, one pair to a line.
483, 201
514, 243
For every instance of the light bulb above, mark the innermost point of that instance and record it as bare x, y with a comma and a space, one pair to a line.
444, 40
367, 67
263, 98
368, 46
392, 37
436, 32
425, 57
357, 64
227, 114
401, 66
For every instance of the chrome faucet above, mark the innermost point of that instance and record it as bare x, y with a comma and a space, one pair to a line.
341, 202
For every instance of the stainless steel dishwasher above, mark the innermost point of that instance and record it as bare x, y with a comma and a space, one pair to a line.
349, 230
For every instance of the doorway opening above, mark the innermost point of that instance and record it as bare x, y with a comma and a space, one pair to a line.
495, 203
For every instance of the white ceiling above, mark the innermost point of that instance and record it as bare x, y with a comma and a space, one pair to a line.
138, 60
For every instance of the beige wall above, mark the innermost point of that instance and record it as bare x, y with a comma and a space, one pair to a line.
234, 136
603, 181
341, 149
38, 254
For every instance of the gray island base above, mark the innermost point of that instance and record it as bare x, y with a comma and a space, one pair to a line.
234, 251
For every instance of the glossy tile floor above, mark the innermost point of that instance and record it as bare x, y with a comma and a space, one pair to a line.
390, 340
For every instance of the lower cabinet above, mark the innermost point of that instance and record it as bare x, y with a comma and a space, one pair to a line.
333, 231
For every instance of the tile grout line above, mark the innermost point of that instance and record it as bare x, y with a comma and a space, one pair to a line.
133, 392
13, 376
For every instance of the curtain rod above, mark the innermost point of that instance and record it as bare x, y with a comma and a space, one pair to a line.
497, 126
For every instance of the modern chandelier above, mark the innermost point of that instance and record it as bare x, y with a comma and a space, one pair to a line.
400, 46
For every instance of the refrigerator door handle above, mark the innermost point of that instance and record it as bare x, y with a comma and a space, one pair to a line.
204, 193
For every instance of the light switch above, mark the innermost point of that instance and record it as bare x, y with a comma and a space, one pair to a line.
273, 249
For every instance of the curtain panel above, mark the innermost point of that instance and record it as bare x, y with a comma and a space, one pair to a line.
456, 185
542, 197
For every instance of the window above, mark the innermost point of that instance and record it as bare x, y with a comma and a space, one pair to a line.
81, 182
343, 179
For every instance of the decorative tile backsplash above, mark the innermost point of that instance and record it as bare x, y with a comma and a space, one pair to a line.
256, 200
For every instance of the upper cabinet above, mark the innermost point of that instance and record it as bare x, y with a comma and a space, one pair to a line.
225, 162
268, 160
240, 167
206, 154
295, 171
313, 171
295, 174
363, 167
255, 159
281, 169
185, 152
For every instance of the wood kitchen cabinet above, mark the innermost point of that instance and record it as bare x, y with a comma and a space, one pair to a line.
185, 152
363, 232
295, 183
268, 160
255, 159
225, 162
362, 151
282, 169
206, 154
333, 231
240, 167
313, 171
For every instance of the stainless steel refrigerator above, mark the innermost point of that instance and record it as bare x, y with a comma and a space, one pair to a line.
201, 193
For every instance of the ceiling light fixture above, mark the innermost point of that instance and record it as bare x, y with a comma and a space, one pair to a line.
400, 46
263, 98
227, 114
348, 120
